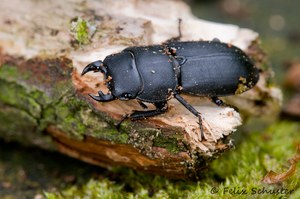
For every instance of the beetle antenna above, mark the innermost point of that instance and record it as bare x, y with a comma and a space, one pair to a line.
179, 28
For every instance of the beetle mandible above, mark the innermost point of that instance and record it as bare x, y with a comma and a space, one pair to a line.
156, 73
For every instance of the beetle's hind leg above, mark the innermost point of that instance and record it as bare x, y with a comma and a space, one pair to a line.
161, 107
192, 110
219, 102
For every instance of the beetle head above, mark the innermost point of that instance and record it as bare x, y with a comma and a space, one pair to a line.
123, 78
96, 67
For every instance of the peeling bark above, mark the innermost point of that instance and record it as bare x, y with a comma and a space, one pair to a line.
44, 99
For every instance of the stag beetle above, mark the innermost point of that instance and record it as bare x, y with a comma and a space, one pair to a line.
156, 73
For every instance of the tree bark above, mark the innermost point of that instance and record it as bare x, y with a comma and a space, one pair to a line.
44, 100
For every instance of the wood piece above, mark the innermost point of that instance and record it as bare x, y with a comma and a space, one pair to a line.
44, 47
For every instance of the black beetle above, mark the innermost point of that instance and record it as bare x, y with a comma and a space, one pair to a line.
156, 73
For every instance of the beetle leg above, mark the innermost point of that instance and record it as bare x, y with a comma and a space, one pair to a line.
217, 101
161, 107
181, 60
192, 110
143, 105
216, 40
102, 97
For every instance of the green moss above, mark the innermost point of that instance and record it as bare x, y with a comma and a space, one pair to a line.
170, 143
58, 106
80, 29
104, 190
12, 74
146, 137
76, 118
18, 125
7, 71
9, 116
15, 95
296, 194
237, 172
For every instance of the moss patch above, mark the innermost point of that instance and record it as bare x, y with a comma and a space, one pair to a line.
48, 98
171, 142
104, 189
82, 30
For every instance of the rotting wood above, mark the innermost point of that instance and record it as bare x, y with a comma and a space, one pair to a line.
43, 95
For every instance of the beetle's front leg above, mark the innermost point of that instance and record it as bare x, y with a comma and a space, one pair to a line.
192, 110
161, 107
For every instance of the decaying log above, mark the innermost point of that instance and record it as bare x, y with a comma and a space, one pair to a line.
43, 99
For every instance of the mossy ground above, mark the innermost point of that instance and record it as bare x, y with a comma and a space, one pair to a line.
237, 174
